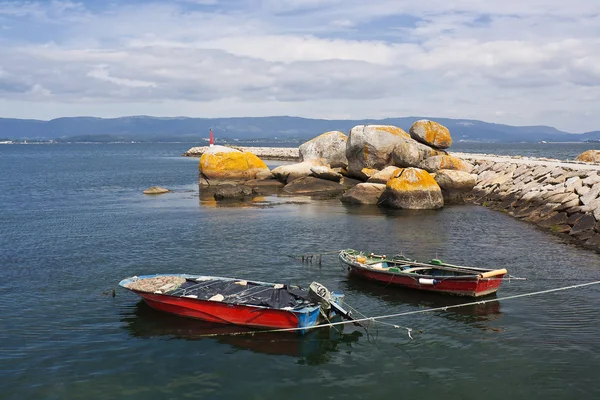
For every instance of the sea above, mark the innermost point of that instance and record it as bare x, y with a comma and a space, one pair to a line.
74, 222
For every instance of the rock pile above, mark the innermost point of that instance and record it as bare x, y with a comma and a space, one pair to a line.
374, 164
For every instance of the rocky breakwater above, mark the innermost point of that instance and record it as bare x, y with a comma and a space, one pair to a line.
374, 165
265, 153
562, 197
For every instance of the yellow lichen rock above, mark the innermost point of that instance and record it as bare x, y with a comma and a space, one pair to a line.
431, 133
412, 188
444, 161
222, 163
591, 156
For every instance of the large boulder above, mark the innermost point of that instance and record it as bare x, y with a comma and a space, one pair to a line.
371, 146
410, 153
220, 163
288, 173
436, 163
455, 185
412, 188
591, 156
431, 133
330, 146
363, 193
309, 185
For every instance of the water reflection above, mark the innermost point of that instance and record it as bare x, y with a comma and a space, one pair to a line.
265, 200
312, 348
477, 315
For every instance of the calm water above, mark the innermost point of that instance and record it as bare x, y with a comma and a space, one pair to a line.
74, 222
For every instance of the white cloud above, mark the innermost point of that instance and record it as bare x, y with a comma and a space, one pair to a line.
521, 62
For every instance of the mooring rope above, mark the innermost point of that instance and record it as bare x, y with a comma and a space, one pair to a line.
409, 330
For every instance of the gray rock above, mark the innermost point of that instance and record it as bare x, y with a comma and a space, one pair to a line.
591, 195
324, 172
371, 146
572, 184
410, 153
313, 186
583, 190
264, 175
288, 173
384, 175
449, 179
584, 224
349, 182
592, 179
264, 186
330, 146
228, 191
363, 193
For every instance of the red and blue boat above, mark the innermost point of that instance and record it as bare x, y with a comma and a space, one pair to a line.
434, 276
240, 302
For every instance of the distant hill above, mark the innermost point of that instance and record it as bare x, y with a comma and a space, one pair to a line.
182, 129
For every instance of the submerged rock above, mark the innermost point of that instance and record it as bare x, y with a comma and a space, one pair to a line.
313, 186
363, 193
229, 191
412, 188
156, 190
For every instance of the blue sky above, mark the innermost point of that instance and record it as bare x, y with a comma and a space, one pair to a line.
524, 62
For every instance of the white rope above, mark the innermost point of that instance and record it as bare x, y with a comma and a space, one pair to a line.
444, 308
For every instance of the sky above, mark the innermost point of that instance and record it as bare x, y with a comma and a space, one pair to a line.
518, 62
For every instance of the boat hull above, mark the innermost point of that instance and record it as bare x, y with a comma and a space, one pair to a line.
230, 313
223, 313
470, 287
442, 278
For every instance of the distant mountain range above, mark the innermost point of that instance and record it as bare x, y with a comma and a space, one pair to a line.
182, 129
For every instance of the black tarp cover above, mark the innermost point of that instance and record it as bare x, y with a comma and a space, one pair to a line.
249, 294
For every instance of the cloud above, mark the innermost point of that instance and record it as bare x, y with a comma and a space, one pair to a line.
533, 62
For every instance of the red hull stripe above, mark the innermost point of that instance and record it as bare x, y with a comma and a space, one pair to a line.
222, 313
473, 287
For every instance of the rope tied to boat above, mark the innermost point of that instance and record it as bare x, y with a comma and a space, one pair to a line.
422, 311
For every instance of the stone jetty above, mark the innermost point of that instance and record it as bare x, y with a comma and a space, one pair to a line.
560, 196
265, 153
